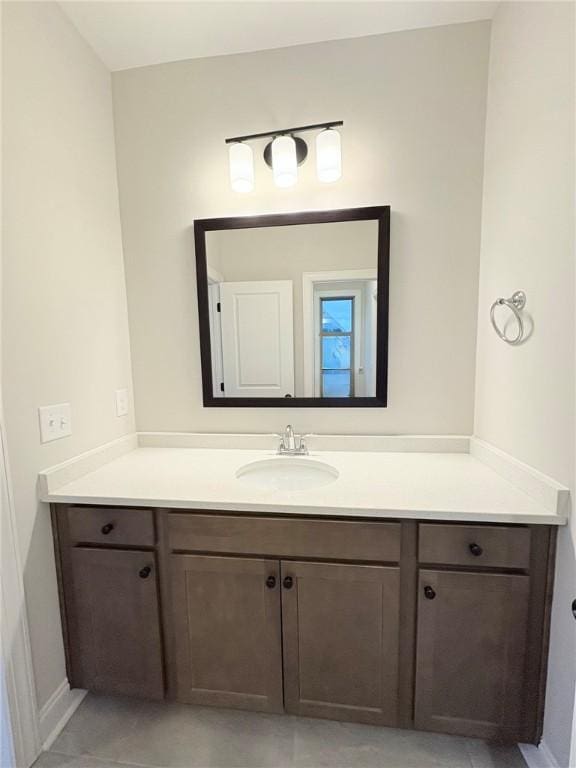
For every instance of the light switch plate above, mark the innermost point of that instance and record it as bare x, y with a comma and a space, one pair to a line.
121, 402
55, 422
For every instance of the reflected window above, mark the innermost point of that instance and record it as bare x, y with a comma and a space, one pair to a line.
337, 346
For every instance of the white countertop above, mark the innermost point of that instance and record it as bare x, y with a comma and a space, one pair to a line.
371, 484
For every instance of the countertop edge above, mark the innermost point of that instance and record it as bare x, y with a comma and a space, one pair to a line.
324, 511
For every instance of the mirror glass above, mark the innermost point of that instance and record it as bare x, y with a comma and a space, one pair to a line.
293, 311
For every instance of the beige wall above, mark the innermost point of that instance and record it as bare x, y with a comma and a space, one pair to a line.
525, 394
413, 104
285, 253
65, 335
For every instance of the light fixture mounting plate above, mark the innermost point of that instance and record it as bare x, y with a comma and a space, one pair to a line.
301, 151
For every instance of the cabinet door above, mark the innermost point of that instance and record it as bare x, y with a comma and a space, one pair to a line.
226, 615
471, 650
341, 625
114, 622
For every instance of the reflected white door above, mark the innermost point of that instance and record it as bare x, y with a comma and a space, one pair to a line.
257, 338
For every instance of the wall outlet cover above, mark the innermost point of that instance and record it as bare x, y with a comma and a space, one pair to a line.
121, 402
55, 422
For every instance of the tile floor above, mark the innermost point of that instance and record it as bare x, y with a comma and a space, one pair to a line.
108, 732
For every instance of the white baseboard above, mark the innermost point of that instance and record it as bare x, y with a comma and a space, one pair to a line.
538, 757
57, 711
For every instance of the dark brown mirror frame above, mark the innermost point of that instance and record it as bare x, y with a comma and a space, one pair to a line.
381, 214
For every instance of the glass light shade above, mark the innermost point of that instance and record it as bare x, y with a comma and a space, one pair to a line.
284, 161
328, 155
241, 167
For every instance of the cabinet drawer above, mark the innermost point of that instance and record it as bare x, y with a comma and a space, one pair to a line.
477, 545
109, 525
280, 537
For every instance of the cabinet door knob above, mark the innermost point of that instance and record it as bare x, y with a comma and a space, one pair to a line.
429, 593
476, 549
145, 572
106, 529
288, 582
271, 582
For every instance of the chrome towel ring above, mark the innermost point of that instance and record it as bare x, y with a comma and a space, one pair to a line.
516, 303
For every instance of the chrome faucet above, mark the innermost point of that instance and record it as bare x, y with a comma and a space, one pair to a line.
291, 444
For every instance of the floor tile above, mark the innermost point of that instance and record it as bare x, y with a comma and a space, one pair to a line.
114, 732
176, 736
99, 727
348, 745
485, 755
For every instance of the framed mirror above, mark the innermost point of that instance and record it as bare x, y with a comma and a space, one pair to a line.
293, 308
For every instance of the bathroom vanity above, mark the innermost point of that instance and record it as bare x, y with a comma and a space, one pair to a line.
292, 601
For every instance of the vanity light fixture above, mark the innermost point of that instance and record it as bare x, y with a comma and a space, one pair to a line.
284, 153
241, 160
328, 155
284, 161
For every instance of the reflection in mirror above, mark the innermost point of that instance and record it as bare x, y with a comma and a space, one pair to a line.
293, 310
297, 310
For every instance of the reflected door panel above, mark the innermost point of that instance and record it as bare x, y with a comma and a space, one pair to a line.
257, 338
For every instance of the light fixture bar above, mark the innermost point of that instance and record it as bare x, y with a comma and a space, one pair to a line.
273, 134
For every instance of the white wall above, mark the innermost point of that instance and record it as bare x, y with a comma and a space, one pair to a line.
413, 104
65, 333
525, 395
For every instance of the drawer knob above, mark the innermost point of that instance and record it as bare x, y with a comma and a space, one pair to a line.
476, 549
145, 572
271, 582
429, 593
106, 529
288, 582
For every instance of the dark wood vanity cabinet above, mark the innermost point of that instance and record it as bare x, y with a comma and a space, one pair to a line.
430, 625
471, 652
113, 620
484, 599
311, 638
341, 631
109, 599
227, 632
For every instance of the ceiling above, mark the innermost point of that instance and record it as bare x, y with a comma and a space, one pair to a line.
136, 34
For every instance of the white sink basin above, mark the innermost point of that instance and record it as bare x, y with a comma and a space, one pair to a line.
287, 473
